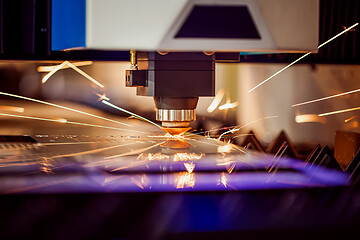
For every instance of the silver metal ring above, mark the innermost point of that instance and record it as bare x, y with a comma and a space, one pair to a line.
175, 115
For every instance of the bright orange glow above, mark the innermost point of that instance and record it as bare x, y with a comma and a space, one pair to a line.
309, 118
349, 119
189, 167
187, 156
153, 156
185, 180
223, 180
12, 109
226, 148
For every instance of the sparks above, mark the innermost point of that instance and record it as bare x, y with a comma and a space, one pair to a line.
229, 105
309, 118
128, 112
189, 167
187, 156
349, 119
239, 128
50, 68
58, 67
303, 56
216, 101
339, 111
326, 98
64, 121
62, 107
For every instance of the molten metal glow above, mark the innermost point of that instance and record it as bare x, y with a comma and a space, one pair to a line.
50, 68
309, 118
185, 180
229, 105
12, 109
62, 107
216, 101
58, 67
153, 156
339, 111
305, 55
226, 148
189, 167
325, 98
128, 112
187, 156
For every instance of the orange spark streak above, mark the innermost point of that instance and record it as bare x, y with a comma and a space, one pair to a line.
57, 68
185, 180
239, 128
349, 119
339, 111
12, 109
65, 122
62, 107
326, 98
303, 56
128, 112
49, 68
309, 118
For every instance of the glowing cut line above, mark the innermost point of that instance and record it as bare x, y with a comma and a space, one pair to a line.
305, 55
128, 112
66, 122
325, 98
62, 107
238, 129
49, 68
47, 76
339, 111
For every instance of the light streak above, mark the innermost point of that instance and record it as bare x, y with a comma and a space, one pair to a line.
49, 68
133, 152
189, 167
84, 74
185, 180
128, 112
339, 111
309, 118
101, 97
326, 98
52, 72
349, 119
187, 156
12, 109
226, 148
62, 107
153, 156
229, 105
223, 180
239, 128
303, 56
216, 101
64, 121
